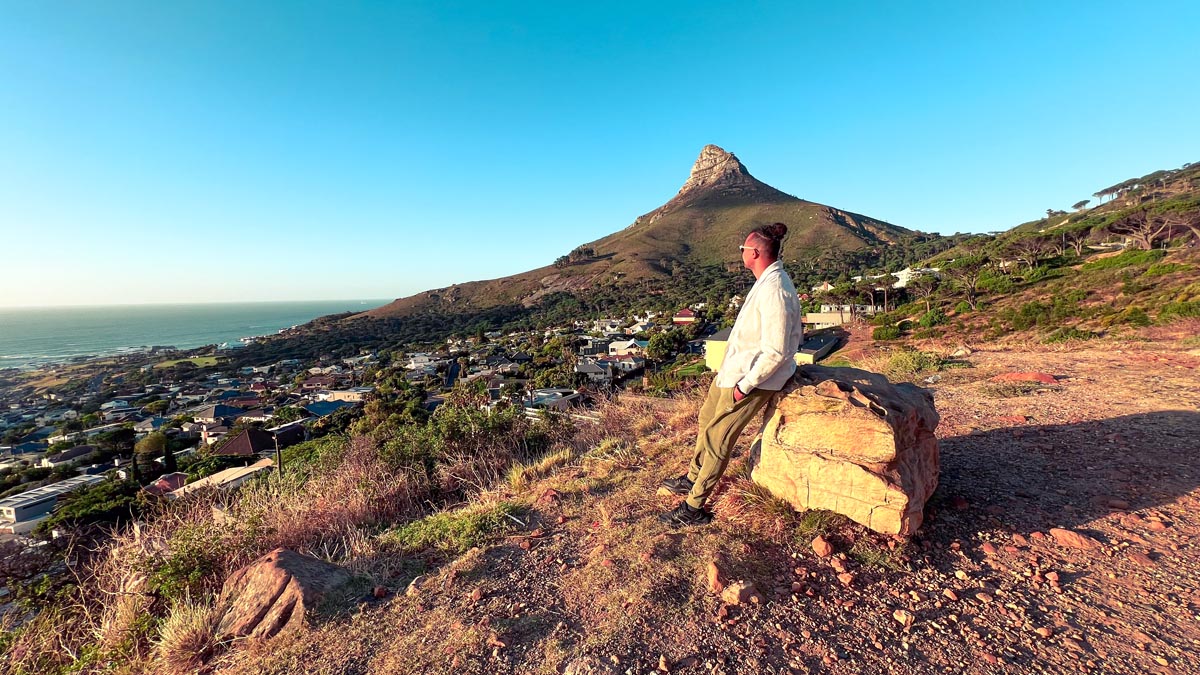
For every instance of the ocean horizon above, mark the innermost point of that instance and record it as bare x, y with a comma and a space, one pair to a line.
31, 337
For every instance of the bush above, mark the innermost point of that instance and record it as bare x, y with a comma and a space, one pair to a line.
1135, 316
1179, 309
1159, 269
453, 531
886, 333
933, 317
908, 362
1065, 334
1126, 259
992, 282
962, 307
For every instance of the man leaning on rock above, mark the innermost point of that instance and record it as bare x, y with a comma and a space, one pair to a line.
759, 360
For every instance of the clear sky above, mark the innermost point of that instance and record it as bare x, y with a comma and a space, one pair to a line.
222, 151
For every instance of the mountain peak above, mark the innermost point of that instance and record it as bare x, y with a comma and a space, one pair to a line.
719, 174
716, 167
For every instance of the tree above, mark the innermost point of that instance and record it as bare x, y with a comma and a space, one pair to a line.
665, 345
923, 286
152, 445
1031, 250
1080, 204
1143, 227
966, 273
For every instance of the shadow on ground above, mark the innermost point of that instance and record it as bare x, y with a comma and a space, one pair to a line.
1030, 478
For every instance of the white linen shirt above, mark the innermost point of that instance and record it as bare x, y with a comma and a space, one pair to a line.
761, 352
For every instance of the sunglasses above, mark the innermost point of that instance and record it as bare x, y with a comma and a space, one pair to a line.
747, 248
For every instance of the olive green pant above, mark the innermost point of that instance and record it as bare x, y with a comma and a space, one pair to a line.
721, 422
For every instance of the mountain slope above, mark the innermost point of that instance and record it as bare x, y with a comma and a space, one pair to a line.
702, 225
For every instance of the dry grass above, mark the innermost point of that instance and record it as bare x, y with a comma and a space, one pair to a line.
746, 504
186, 636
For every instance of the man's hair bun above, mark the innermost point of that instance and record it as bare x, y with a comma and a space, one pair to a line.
775, 231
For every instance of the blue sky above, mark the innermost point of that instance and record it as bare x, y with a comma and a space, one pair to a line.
223, 151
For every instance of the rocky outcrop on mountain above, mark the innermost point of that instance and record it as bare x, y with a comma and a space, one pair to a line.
717, 173
852, 442
277, 591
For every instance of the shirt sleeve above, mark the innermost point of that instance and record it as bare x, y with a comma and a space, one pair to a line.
772, 341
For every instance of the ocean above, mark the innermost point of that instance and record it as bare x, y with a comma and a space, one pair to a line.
36, 336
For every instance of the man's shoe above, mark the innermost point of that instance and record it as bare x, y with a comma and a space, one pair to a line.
679, 486
684, 514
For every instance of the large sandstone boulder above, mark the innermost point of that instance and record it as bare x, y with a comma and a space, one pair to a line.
277, 591
849, 441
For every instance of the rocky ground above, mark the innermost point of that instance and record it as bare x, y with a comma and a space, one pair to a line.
1062, 538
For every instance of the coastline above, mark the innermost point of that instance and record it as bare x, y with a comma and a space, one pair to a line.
48, 337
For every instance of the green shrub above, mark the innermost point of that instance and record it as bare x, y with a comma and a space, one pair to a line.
1179, 309
934, 317
1038, 273
1159, 269
908, 362
995, 282
962, 307
454, 532
1126, 259
885, 333
195, 555
1135, 316
1065, 334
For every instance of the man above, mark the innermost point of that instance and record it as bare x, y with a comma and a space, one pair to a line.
759, 360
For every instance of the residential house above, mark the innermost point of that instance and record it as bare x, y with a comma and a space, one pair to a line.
249, 443
684, 317
318, 382
352, 395
150, 424
323, 408
67, 456
166, 483
226, 480
212, 433
624, 347
593, 346
213, 414
595, 372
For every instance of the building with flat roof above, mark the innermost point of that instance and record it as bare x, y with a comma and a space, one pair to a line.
39, 501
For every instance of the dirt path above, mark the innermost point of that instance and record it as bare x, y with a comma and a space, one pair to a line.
593, 584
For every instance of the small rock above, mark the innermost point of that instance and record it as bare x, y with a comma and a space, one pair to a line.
414, 588
846, 578
990, 658
1052, 576
988, 548
1072, 539
949, 593
741, 592
821, 547
1156, 526
837, 564
1044, 631
983, 597
1140, 558
903, 617
379, 592
1119, 504
663, 664
477, 594
716, 577
1020, 540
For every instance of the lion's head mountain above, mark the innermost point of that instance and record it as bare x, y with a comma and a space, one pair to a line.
701, 226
